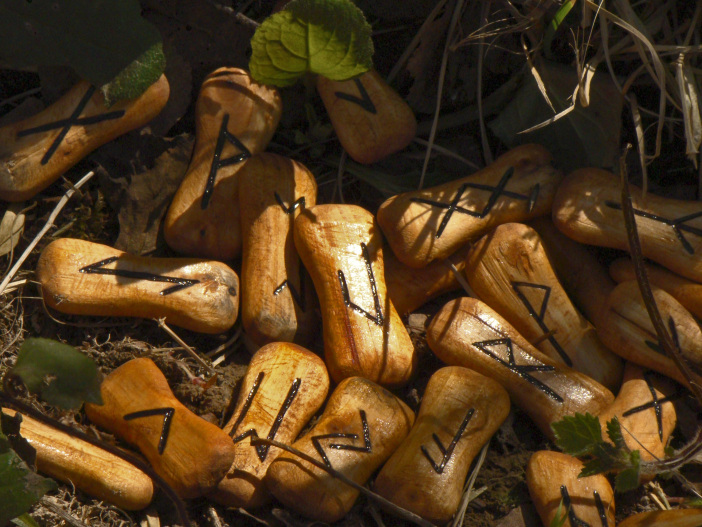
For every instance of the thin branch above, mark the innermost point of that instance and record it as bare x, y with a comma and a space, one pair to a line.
162, 324
58, 511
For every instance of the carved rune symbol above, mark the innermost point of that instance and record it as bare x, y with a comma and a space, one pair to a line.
540, 314
495, 193
521, 370
167, 414
298, 296
574, 520
217, 163
300, 202
366, 448
364, 101
678, 224
262, 450
655, 403
447, 452
96, 268
378, 319
66, 124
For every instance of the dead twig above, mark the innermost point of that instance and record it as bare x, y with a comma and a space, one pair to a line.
162, 324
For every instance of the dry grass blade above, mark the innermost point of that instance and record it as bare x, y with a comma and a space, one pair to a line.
468, 494
691, 109
162, 324
640, 144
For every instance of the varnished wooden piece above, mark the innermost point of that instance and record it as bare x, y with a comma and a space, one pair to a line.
430, 224
89, 468
235, 118
410, 288
552, 478
582, 275
342, 248
510, 271
283, 388
84, 278
627, 330
191, 454
671, 518
587, 208
460, 411
685, 291
278, 301
466, 332
361, 426
370, 119
645, 410
35, 152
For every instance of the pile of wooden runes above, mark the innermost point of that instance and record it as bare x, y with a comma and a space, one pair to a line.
513, 231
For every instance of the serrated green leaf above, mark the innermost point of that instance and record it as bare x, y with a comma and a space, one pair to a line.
133, 80
577, 434
614, 432
61, 374
97, 39
628, 479
326, 37
595, 466
25, 520
20, 488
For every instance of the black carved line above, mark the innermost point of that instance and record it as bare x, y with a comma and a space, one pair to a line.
67, 124
574, 520
378, 319
247, 404
495, 193
366, 448
540, 315
181, 283
167, 414
521, 370
298, 296
677, 224
655, 403
300, 202
600, 509
447, 452
217, 163
364, 101
262, 450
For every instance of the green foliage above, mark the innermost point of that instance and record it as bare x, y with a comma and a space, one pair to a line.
99, 40
58, 372
581, 435
25, 520
134, 80
560, 517
327, 37
20, 487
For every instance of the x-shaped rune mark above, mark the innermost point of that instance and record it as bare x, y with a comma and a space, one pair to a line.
66, 124
677, 224
655, 403
521, 370
495, 193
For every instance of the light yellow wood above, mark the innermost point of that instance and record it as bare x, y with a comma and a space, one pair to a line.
363, 334
510, 271
671, 518
587, 208
277, 297
251, 112
552, 475
685, 291
461, 409
420, 226
410, 288
466, 332
191, 454
360, 414
372, 125
627, 330
645, 410
27, 162
73, 283
89, 468
284, 386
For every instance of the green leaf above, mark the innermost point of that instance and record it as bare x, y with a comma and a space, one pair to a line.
560, 517
614, 432
10, 438
25, 520
578, 434
20, 488
595, 466
62, 375
133, 80
327, 37
628, 479
97, 39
